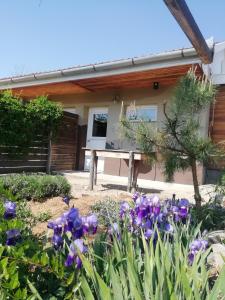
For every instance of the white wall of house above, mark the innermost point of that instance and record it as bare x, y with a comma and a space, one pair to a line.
145, 96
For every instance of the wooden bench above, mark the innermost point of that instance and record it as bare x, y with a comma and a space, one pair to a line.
134, 158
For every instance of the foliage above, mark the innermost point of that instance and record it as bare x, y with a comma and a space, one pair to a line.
107, 211
30, 269
212, 216
36, 187
179, 139
132, 268
220, 188
163, 265
21, 123
46, 114
15, 127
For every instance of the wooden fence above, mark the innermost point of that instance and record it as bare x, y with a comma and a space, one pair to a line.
63, 152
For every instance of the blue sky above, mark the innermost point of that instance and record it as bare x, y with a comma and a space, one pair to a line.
40, 35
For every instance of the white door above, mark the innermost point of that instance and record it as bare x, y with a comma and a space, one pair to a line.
96, 134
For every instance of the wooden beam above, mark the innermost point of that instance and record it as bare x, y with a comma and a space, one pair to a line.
183, 16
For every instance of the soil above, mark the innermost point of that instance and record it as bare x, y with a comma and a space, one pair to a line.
55, 207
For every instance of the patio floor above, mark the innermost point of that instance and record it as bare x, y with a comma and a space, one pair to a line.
109, 186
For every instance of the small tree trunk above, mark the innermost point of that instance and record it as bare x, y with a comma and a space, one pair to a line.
197, 196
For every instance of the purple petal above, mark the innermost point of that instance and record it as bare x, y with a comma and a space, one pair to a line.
69, 260
66, 199
169, 228
184, 202
57, 241
148, 233
13, 235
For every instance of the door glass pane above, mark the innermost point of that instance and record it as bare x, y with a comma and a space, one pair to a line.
99, 125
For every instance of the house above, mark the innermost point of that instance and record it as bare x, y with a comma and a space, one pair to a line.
95, 92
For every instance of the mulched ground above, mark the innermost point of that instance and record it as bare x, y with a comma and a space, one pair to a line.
55, 207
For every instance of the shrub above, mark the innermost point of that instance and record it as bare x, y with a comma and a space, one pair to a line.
36, 187
212, 214
211, 217
107, 211
21, 122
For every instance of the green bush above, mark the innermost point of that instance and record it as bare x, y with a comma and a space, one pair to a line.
21, 122
35, 187
211, 216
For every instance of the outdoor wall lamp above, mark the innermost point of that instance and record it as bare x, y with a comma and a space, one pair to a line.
155, 85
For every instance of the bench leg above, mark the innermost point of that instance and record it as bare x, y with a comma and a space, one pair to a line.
92, 167
130, 171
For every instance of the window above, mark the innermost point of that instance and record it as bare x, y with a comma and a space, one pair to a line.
146, 113
99, 125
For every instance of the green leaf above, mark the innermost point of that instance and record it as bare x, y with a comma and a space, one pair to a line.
104, 291
86, 289
34, 290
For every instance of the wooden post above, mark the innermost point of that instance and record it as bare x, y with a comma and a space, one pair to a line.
95, 169
92, 166
130, 171
135, 176
49, 161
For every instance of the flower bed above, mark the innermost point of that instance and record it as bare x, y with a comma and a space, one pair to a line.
152, 251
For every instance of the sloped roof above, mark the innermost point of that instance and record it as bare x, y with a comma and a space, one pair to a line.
176, 57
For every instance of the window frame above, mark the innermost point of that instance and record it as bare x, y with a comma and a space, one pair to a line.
144, 106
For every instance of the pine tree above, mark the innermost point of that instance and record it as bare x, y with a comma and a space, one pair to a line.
179, 141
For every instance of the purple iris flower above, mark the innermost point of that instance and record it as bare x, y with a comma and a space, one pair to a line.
183, 212
66, 199
183, 203
73, 219
77, 233
72, 214
124, 208
169, 228
156, 210
140, 216
72, 256
57, 241
135, 196
69, 260
57, 225
13, 236
155, 200
175, 211
90, 223
78, 262
195, 247
114, 231
10, 210
148, 233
